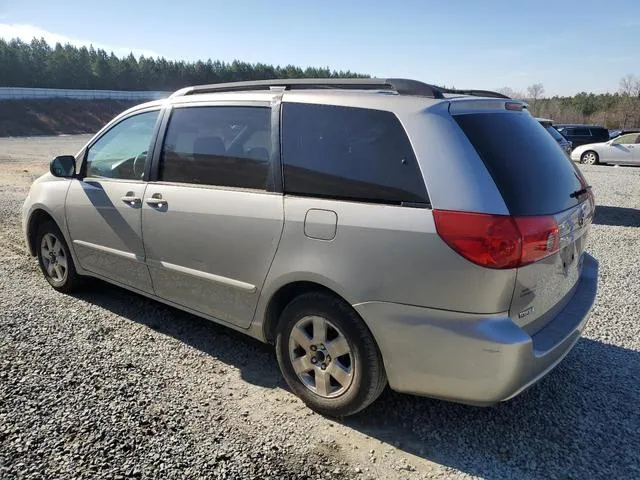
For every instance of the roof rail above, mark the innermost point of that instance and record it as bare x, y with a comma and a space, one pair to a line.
400, 85
475, 93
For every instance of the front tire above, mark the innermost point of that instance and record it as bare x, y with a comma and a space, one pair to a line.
327, 355
589, 158
55, 258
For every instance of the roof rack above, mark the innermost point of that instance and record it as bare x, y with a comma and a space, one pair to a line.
402, 86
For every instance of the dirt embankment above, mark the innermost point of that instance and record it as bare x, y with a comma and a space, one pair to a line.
20, 118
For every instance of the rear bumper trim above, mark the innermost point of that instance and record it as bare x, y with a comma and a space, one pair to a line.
470, 358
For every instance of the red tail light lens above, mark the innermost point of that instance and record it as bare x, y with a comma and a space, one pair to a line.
497, 241
539, 238
489, 240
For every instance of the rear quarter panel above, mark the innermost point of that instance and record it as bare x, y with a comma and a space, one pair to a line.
383, 253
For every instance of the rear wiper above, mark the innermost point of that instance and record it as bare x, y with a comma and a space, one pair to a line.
582, 191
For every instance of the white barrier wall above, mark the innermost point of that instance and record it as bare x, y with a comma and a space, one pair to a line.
14, 93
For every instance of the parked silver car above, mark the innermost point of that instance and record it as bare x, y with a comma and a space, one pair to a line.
373, 230
622, 150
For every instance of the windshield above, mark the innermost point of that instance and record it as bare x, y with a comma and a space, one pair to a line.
554, 133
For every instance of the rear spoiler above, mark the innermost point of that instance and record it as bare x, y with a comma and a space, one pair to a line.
474, 93
477, 105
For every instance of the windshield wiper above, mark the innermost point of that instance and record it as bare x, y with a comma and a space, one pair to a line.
582, 191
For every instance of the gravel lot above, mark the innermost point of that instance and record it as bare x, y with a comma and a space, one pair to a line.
109, 384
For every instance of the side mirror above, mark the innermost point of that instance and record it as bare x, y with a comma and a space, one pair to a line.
63, 166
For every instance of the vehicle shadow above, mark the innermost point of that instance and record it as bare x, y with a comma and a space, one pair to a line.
581, 421
617, 216
227, 345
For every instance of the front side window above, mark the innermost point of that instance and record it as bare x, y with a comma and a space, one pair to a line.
222, 146
348, 153
122, 151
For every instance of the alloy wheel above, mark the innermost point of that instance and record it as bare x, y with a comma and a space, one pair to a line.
321, 356
589, 158
54, 257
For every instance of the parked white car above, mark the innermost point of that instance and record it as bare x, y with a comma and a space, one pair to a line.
624, 149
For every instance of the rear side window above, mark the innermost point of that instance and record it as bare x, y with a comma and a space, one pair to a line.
534, 176
223, 146
601, 133
348, 153
580, 132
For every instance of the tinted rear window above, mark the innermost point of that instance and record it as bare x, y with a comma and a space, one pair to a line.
222, 146
555, 134
348, 153
533, 174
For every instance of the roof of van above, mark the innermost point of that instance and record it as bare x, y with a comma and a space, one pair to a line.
369, 92
401, 86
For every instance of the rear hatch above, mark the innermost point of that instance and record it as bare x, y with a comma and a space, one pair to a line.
542, 189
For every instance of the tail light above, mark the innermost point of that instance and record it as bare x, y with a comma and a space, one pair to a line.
498, 241
540, 238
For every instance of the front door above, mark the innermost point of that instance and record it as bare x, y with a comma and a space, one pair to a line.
212, 222
622, 149
636, 149
103, 209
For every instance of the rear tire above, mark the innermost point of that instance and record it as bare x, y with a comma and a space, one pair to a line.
54, 258
589, 158
314, 327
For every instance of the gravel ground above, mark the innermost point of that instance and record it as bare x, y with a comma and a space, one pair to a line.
109, 384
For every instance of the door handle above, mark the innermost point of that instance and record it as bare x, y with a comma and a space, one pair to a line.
156, 200
131, 200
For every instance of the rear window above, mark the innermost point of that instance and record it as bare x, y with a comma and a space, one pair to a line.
554, 133
534, 176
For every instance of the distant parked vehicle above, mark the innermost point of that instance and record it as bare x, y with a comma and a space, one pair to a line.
583, 134
624, 149
565, 144
618, 132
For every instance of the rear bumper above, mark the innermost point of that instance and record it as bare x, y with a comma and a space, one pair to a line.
469, 358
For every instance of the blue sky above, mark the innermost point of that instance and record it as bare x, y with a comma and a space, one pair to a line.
567, 45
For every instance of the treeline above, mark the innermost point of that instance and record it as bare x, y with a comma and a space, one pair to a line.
609, 110
612, 110
37, 64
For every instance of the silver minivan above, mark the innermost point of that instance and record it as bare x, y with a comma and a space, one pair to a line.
376, 231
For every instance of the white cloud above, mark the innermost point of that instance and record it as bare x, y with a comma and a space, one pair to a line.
27, 33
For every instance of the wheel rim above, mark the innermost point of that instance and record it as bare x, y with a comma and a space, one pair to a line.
54, 257
589, 158
321, 356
